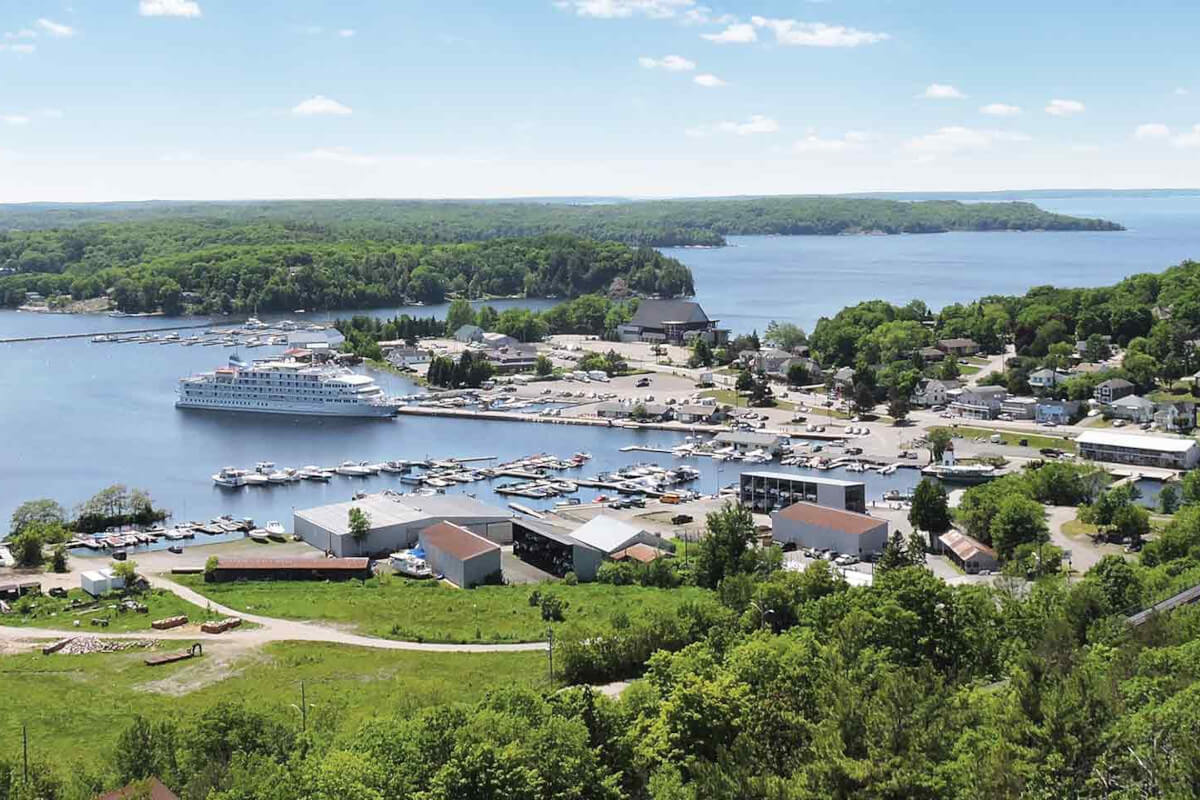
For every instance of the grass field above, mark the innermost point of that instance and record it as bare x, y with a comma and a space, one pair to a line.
427, 611
76, 706
53, 612
731, 398
1034, 440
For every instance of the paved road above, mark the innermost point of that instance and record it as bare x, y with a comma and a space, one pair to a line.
271, 630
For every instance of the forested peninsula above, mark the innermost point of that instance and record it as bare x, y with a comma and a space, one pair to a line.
658, 223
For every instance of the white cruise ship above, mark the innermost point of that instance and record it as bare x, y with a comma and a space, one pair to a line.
285, 387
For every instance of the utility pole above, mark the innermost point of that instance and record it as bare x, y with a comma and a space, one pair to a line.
550, 651
303, 709
25, 750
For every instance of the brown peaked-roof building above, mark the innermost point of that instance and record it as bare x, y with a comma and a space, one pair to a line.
149, 789
461, 557
825, 528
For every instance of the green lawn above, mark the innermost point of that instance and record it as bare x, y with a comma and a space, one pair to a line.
731, 398
75, 706
1034, 440
429, 611
968, 369
44, 611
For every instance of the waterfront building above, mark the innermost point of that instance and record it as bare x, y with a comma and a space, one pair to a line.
1146, 451
465, 559
669, 321
396, 521
970, 554
469, 333
553, 549
744, 441
931, 392
823, 528
1175, 417
285, 387
609, 535
765, 492
624, 410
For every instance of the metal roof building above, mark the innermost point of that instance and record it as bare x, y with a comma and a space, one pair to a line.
811, 525
609, 534
1145, 451
765, 491
396, 520
552, 548
461, 557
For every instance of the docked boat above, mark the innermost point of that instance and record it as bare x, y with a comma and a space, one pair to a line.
398, 467
285, 386
352, 469
314, 473
256, 479
230, 478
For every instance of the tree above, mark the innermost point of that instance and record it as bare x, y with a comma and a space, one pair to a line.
1096, 349
760, 391
1132, 522
939, 442
784, 335
33, 512
543, 366
1168, 499
359, 525
798, 375
745, 381
894, 555
458, 314
58, 559
898, 404
930, 509
127, 572
726, 550
1018, 521
702, 354
27, 547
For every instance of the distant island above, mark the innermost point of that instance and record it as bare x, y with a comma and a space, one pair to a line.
657, 223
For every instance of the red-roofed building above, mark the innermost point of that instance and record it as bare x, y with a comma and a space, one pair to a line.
461, 557
149, 789
823, 528
970, 554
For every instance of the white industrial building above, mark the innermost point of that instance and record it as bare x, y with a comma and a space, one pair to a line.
811, 525
396, 520
609, 535
100, 581
465, 559
1143, 451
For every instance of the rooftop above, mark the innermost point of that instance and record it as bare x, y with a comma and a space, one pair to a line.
1115, 383
742, 437
350, 564
553, 532
607, 534
964, 546
457, 541
833, 518
387, 509
1166, 444
654, 313
638, 552
792, 476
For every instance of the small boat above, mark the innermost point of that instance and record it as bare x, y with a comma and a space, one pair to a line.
372, 469
411, 564
352, 469
258, 535
256, 479
276, 531
314, 473
398, 467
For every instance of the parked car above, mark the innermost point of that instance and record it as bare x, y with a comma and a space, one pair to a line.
642, 383
681, 519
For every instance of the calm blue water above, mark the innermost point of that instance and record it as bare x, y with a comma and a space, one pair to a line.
79, 416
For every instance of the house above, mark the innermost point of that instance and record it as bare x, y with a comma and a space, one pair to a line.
843, 379
822, 528
465, 559
469, 333
958, 347
1060, 412
764, 491
691, 414
610, 535
970, 554
931, 392
552, 548
1019, 407
978, 402
405, 356
1112, 390
650, 411
1046, 378
771, 360
149, 789
1141, 450
815, 373
396, 520
289, 569
931, 355
1132, 408
744, 441
669, 321
1175, 417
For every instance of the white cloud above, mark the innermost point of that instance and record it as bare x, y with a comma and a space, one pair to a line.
1151, 131
320, 105
622, 9
813, 143
24, 33
20, 49
55, 29
346, 33
169, 8
942, 91
758, 123
1188, 139
703, 15
340, 155
817, 34
956, 138
14, 119
1064, 108
669, 63
709, 80
736, 33
1000, 110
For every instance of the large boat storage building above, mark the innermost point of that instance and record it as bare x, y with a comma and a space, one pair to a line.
396, 521
765, 492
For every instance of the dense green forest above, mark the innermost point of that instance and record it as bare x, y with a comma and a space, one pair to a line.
660, 223
276, 267
776, 685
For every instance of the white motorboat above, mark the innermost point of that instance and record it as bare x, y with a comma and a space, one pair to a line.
276, 531
315, 473
256, 479
230, 478
352, 469
411, 564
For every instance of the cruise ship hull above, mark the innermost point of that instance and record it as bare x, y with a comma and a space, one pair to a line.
298, 409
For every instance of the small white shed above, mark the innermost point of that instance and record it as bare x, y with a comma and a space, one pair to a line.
99, 581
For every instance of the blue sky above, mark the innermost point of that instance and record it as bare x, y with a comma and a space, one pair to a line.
207, 99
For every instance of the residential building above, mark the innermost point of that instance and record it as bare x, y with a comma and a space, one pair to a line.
811, 525
744, 441
1043, 379
609, 535
765, 491
771, 360
396, 520
668, 321
1019, 407
289, 569
978, 402
815, 373
931, 355
843, 380
469, 333
1175, 417
958, 347
1146, 451
1132, 408
465, 559
149, 789
652, 411
1112, 390
642, 553
692, 413
405, 356
552, 548
932, 392
970, 554
1060, 412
